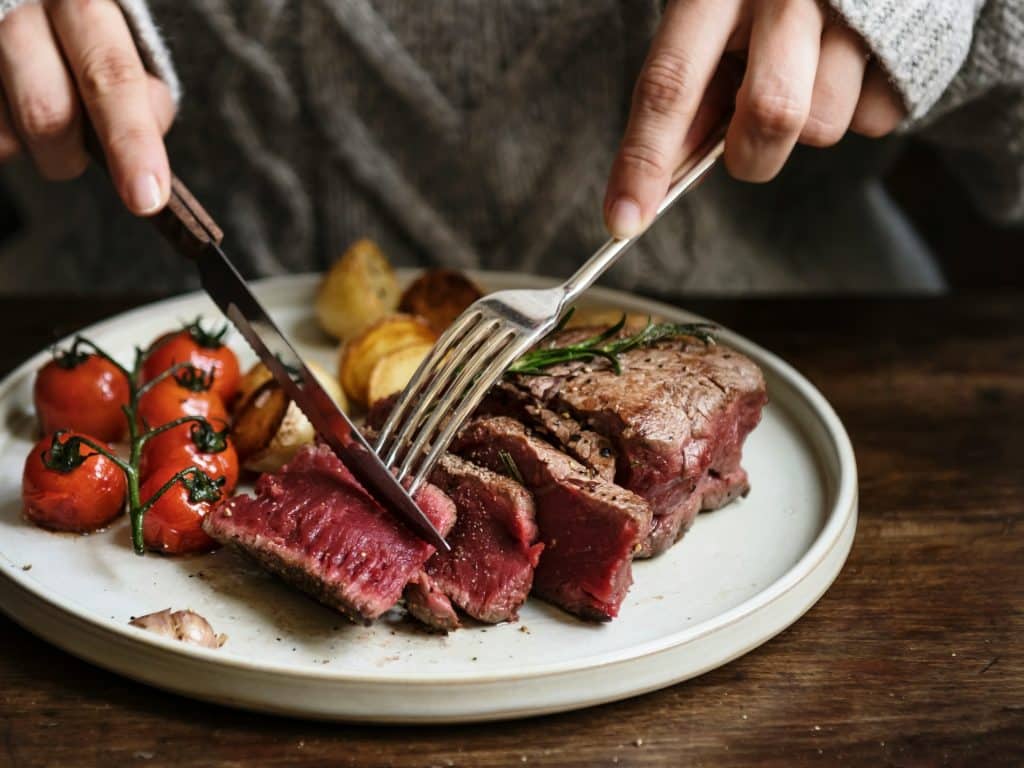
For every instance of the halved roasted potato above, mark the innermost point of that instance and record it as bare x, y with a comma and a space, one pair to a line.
267, 427
392, 372
439, 296
359, 290
258, 418
360, 355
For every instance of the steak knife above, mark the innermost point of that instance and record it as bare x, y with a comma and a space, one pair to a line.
193, 232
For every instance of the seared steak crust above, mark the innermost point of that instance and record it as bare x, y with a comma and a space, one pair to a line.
677, 414
591, 449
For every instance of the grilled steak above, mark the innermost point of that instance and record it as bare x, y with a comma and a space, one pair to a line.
678, 415
585, 445
590, 528
489, 571
428, 603
317, 528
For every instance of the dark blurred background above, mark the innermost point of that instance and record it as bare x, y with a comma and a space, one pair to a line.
976, 254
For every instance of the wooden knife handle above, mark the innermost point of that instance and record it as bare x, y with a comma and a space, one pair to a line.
184, 221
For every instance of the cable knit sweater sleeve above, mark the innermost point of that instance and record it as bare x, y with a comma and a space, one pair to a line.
959, 65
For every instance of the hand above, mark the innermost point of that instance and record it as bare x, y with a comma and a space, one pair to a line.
808, 78
61, 56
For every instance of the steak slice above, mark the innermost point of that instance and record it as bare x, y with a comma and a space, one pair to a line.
428, 603
494, 549
312, 524
678, 414
489, 571
591, 449
590, 528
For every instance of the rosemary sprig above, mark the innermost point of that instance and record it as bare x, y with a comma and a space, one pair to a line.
511, 468
606, 346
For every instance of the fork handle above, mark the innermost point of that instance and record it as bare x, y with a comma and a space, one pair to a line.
689, 174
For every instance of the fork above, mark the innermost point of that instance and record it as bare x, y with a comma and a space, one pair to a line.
490, 335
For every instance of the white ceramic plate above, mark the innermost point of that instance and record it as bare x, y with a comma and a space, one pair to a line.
740, 576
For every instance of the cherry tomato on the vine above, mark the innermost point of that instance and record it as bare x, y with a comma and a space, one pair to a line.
83, 392
195, 445
68, 486
173, 525
179, 396
204, 349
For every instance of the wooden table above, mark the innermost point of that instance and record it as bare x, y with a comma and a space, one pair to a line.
913, 658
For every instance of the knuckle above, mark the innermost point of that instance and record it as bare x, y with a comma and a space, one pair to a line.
42, 119
776, 114
822, 131
643, 159
127, 139
664, 83
107, 70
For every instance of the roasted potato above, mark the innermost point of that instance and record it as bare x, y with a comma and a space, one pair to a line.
360, 355
258, 418
358, 291
439, 296
392, 372
268, 428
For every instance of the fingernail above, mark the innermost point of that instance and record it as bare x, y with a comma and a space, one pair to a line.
145, 193
624, 219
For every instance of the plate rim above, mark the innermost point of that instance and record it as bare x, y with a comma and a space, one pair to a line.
841, 509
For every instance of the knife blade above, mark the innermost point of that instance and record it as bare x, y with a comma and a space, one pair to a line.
192, 231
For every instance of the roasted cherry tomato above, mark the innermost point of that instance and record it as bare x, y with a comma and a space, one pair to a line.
173, 525
82, 392
68, 486
187, 393
195, 444
204, 349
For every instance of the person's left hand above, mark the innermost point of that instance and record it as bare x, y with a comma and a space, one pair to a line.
808, 79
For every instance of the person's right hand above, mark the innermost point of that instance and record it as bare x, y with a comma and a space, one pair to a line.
60, 56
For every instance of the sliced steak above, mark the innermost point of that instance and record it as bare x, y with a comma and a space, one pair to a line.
494, 545
316, 527
427, 602
590, 528
678, 415
489, 571
588, 447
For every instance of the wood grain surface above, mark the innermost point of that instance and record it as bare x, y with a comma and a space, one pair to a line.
913, 658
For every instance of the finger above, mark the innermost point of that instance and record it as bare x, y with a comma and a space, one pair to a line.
679, 66
40, 94
114, 88
880, 109
9, 144
837, 86
161, 103
775, 98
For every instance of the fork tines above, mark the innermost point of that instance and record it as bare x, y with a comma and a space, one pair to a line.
444, 391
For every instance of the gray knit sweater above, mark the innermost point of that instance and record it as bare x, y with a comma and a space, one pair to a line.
480, 134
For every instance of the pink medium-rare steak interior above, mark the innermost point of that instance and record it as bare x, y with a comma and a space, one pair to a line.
316, 527
495, 548
590, 528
